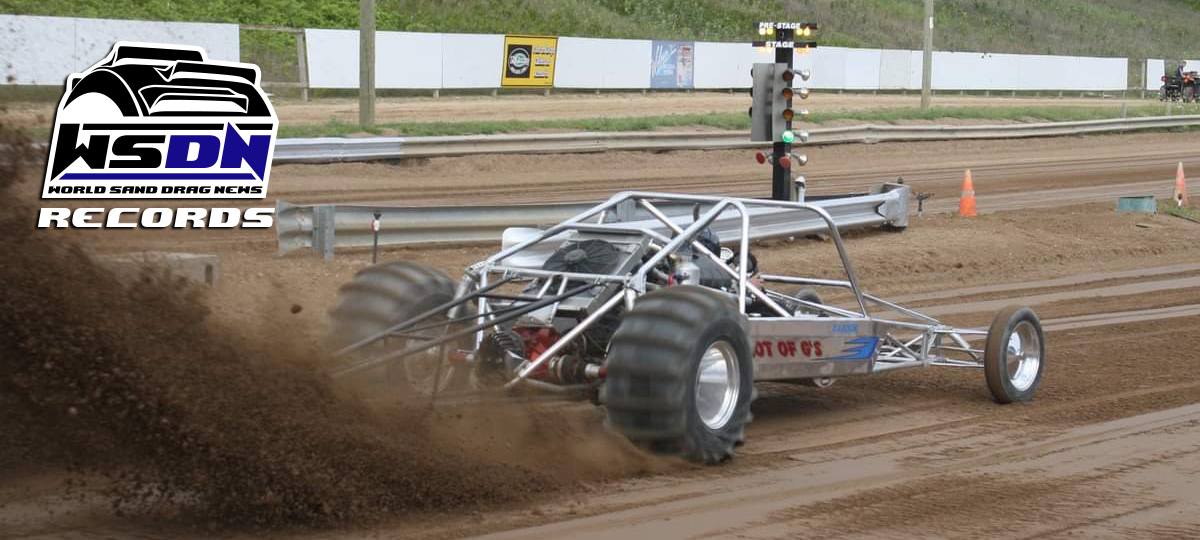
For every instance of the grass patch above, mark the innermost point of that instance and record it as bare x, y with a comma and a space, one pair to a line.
1185, 212
726, 121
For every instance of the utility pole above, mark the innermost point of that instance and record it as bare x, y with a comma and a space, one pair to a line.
366, 63
927, 60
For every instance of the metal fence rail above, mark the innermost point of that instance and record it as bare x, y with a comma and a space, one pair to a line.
336, 149
326, 150
326, 227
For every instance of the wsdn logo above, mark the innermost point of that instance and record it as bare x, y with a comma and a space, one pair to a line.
162, 121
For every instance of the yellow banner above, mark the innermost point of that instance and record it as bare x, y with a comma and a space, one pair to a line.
529, 61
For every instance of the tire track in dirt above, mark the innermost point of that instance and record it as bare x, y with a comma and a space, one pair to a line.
930, 166
982, 436
996, 177
774, 502
1016, 174
1017, 471
988, 203
951, 460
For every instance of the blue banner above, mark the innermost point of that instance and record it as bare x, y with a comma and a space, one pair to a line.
672, 64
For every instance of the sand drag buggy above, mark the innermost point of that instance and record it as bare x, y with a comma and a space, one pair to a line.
668, 332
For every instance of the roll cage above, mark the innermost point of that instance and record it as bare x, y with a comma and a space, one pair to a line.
901, 344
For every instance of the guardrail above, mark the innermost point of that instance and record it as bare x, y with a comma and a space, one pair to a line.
336, 149
327, 150
327, 227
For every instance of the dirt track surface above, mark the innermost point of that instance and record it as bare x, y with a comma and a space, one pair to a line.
559, 106
1007, 175
980, 478
573, 106
998, 167
1109, 449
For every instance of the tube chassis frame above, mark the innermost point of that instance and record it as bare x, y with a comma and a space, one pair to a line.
867, 343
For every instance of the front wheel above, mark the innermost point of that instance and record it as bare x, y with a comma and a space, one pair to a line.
1189, 94
1013, 359
680, 378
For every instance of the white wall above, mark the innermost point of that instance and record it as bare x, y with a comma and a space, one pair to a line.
895, 69
1154, 72
726, 65
602, 63
44, 50
862, 69
472, 60
405, 60
979, 71
410, 60
333, 58
828, 67
402, 59
1072, 73
953, 71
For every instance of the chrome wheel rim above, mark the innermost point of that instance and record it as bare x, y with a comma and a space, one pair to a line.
717, 385
823, 382
1023, 356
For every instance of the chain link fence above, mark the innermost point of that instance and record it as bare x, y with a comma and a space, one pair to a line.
280, 54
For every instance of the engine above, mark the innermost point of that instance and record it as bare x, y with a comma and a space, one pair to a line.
504, 352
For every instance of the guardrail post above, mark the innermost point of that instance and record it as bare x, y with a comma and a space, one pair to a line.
302, 63
375, 226
324, 228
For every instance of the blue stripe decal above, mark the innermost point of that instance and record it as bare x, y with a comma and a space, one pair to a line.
862, 348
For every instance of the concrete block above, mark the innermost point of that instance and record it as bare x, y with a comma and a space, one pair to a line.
1145, 204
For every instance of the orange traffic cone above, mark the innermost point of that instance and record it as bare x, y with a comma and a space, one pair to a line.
966, 204
1181, 194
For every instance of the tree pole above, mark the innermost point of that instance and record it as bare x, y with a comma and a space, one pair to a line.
366, 63
927, 59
